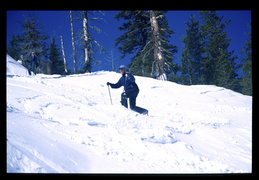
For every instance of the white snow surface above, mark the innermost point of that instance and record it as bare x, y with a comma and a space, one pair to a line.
66, 124
15, 68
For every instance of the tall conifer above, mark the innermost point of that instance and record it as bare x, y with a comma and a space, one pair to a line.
246, 80
137, 39
33, 40
57, 66
218, 63
192, 53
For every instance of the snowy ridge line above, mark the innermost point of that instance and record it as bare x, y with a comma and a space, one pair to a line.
66, 124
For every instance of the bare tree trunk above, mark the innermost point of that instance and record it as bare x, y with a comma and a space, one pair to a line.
112, 60
73, 41
86, 39
63, 53
158, 58
48, 66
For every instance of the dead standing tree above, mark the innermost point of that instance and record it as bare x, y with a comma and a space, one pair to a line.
73, 40
86, 40
158, 56
63, 54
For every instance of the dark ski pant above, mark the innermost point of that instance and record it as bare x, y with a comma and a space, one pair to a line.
132, 101
32, 67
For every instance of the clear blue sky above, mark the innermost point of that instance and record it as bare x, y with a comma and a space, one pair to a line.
57, 23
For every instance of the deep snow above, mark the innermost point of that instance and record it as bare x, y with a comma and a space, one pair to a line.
62, 124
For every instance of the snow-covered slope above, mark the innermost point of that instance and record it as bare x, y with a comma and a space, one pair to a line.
60, 124
14, 68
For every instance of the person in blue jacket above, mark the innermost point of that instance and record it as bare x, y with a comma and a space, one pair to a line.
131, 90
33, 64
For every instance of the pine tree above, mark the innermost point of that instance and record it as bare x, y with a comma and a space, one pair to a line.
135, 40
57, 66
218, 63
147, 36
13, 48
192, 53
33, 40
136, 25
246, 80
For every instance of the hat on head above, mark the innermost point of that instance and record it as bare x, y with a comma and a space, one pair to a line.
122, 67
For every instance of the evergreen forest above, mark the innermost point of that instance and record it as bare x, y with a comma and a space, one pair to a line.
206, 58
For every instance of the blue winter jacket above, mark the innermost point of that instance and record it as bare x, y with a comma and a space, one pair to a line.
128, 81
34, 59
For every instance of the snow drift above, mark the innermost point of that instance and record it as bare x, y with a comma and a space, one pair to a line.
62, 124
14, 68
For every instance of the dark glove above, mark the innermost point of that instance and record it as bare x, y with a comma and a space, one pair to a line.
108, 83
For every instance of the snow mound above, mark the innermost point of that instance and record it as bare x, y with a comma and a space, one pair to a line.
15, 68
62, 124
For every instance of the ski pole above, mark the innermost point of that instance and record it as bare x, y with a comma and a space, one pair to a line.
110, 93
